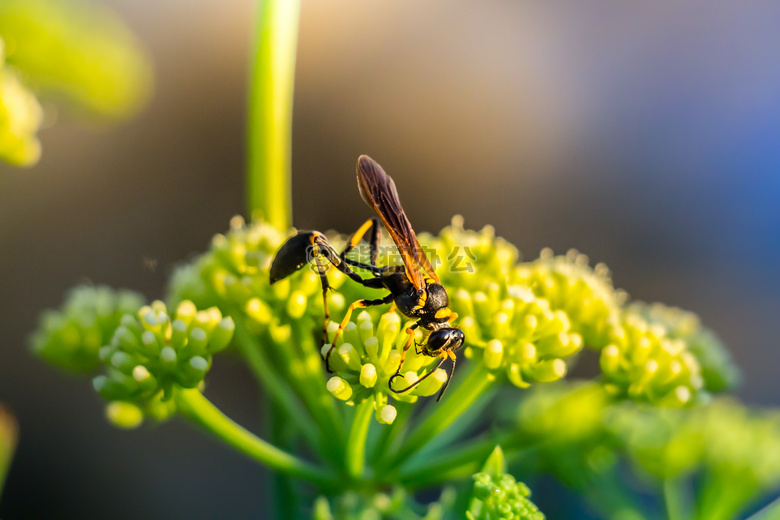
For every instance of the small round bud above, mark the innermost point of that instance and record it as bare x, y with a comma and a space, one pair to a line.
339, 388
124, 415
387, 414
368, 375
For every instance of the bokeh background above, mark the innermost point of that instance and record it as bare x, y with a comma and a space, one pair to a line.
643, 134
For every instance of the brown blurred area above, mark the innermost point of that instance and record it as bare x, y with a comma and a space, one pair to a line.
642, 135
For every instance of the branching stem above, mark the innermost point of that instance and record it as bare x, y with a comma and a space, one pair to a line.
194, 406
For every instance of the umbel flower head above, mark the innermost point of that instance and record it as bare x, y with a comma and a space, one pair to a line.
585, 293
152, 352
368, 354
523, 321
20, 118
646, 364
508, 327
725, 439
380, 506
497, 494
717, 368
71, 337
79, 49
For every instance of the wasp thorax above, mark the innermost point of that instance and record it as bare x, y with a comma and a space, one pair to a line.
437, 298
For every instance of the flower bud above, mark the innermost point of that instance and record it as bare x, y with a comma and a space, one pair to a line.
368, 375
339, 388
124, 415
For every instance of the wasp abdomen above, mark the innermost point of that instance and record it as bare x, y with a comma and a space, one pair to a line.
297, 252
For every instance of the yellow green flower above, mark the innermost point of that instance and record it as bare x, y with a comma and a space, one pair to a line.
646, 364
151, 352
717, 368
78, 49
20, 118
72, 337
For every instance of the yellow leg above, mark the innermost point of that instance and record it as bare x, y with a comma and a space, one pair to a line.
453, 317
410, 332
359, 233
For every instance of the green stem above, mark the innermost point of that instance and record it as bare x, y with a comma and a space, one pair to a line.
677, 505
770, 512
285, 497
275, 386
456, 403
391, 433
270, 111
356, 442
193, 405
465, 459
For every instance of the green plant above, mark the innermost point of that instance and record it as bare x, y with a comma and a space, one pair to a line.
71, 51
365, 451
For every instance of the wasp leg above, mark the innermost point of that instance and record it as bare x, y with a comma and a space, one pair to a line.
410, 331
328, 252
423, 378
358, 304
454, 359
325, 286
372, 224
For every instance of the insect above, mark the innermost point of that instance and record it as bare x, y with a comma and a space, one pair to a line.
415, 290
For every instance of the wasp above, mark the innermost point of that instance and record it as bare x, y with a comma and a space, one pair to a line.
414, 289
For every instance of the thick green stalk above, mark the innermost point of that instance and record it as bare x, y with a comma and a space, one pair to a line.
392, 433
193, 405
770, 512
285, 498
356, 442
445, 413
276, 387
270, 111
467, 459
676, 499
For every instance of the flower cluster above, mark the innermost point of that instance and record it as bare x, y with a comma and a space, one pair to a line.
723, 438
503, 497
366, 356
497, 495
733, 453
569, 284
381, 506
152, 352
71, 338
234, 275
524, 321
78, 49
507, 326
20, 118
646, 364
717, 368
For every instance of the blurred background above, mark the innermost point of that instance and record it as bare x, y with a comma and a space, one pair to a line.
645, 136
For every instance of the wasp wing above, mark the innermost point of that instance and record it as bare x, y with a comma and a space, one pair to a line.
378, 191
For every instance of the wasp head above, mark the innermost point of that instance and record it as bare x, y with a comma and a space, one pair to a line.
444, 339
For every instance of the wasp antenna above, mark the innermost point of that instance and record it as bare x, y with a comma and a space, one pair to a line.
423, 378
447, 383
